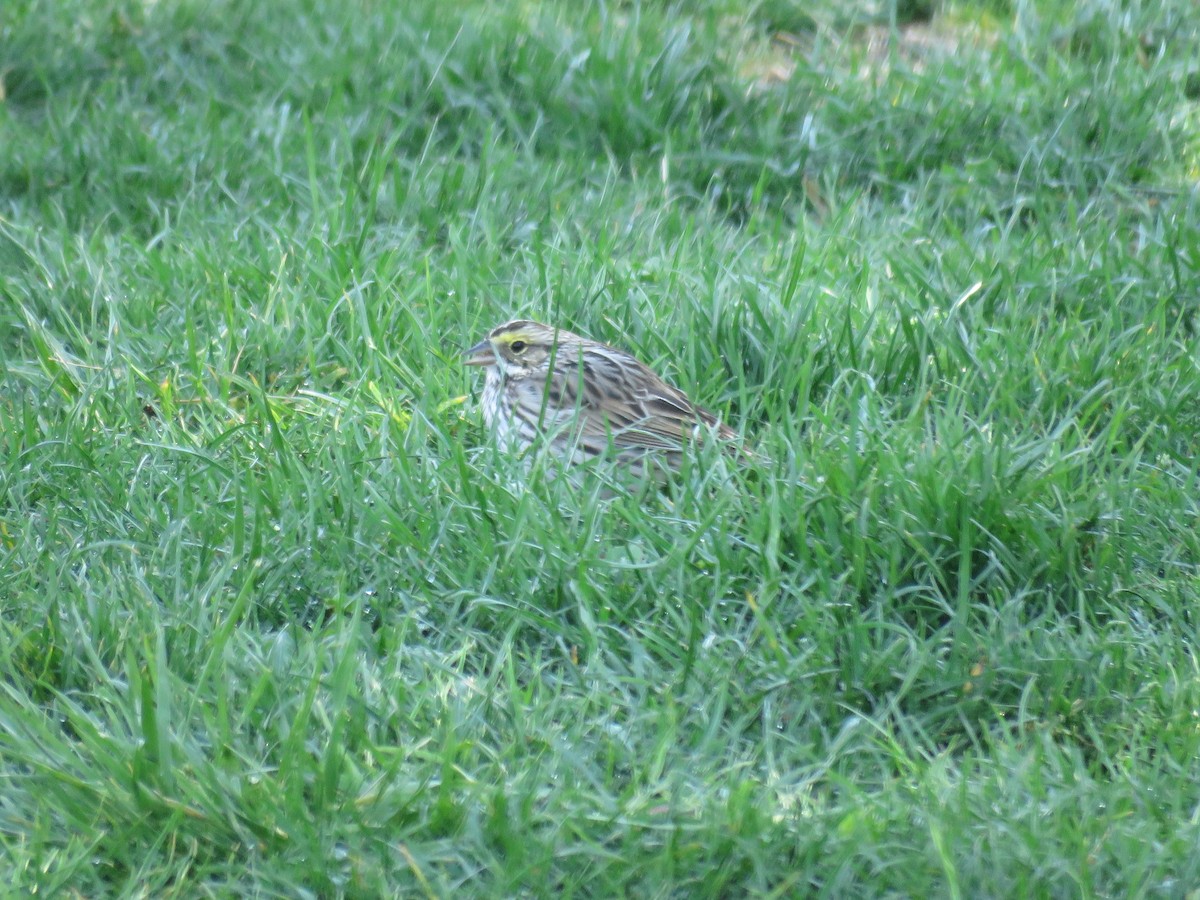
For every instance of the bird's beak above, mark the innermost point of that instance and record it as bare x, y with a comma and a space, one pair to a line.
481, 354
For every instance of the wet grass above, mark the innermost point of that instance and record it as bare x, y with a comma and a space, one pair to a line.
276, 621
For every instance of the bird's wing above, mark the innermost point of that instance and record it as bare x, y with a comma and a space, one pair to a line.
623, 401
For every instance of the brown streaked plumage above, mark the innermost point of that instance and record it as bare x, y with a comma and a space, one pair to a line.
589, 397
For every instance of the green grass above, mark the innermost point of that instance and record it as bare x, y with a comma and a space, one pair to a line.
275, 620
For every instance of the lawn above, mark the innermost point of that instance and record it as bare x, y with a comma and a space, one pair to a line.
276, 619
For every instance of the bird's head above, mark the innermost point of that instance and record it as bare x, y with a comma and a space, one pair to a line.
516, 348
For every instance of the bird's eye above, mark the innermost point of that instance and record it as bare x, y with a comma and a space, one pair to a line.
517, 346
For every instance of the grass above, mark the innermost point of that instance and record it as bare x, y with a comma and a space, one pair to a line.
277, 622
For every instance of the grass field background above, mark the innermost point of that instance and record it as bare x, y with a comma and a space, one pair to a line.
276, 621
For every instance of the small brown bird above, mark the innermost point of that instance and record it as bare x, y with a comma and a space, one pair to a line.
588, 397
